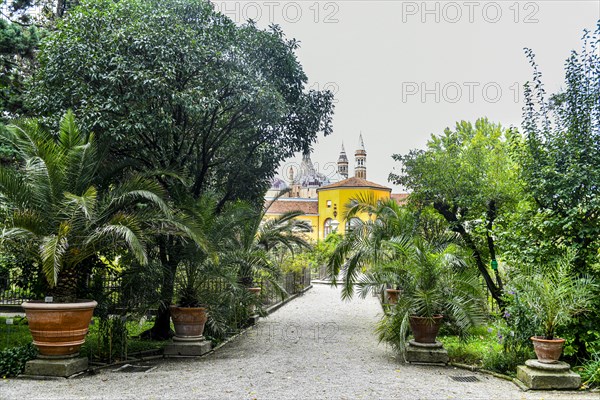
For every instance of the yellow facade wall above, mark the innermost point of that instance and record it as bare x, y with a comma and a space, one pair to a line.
312, 219
314, 223
340, 197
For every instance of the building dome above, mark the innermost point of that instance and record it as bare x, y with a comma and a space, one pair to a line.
278, 184
308, 177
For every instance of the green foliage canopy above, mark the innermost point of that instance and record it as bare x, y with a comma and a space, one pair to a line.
176, 85
560, 157
468, 177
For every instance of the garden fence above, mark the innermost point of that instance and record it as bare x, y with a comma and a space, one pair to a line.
15, 289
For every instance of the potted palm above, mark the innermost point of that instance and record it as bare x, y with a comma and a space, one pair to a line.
436, 283
255, 242
201, 273
554, 297
54, 202
394, 249
189, 314
393, 294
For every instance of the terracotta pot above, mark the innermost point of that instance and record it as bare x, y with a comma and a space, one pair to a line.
59, 329
425, 330
188, 321
392, 295
255, 290
548, 351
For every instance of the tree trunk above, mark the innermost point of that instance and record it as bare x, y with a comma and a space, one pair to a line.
456, 226
65, 290
161, 330
491, 217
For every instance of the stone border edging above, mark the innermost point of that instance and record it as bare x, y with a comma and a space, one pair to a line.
517, 382
93, 370
269, 310
276, 306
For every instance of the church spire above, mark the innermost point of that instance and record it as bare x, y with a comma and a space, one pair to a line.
360, 156
343, 163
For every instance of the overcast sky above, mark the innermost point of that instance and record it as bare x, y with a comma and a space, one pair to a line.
402, 70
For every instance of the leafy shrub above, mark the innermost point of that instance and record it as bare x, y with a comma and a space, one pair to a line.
473, 349
512, 339
590, 372
112, 338
12, 360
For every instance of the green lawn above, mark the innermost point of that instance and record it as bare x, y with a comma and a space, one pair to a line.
18, 334
474, 349
14, 335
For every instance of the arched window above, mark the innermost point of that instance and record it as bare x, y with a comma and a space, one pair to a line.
351, 224
327, 227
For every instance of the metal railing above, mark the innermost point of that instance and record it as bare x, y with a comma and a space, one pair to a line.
292, 283
14, 289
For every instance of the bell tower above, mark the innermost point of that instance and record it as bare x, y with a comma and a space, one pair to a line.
342, 164
360, 156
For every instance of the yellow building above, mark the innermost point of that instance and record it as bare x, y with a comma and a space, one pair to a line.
322, 202
333, 200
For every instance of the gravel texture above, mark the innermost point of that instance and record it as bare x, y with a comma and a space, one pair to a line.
315, 347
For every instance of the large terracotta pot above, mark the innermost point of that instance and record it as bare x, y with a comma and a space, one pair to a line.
59, 329
188, 321
548, 351
425, 330
392, 295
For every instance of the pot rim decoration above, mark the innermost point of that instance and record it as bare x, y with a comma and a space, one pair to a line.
435, 318
74, 305
543, 339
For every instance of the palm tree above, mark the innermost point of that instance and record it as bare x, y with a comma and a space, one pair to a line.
414, 253
257, 239
367, 244
435, 281
57, 203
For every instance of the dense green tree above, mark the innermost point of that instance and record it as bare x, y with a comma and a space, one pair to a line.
18, 45
560, 158
35, 12
469, 178
175, 85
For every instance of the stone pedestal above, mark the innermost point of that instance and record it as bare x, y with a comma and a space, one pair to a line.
540, 376
253, 319
426, 353
59, 367
187, 347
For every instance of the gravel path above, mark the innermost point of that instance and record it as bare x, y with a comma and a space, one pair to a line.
315, 347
